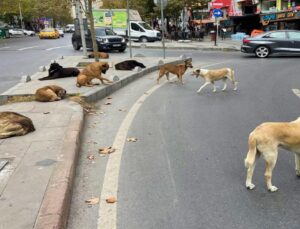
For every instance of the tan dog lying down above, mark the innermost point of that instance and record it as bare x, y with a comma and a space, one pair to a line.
178, 70
211, 76
264, 141
92, 71
50, 93
14, 124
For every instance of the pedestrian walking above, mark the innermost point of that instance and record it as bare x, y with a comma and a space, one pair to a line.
223, 33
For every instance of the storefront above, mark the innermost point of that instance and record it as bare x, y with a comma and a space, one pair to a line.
281, 20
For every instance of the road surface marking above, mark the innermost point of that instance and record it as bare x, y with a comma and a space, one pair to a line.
6, 47
107, 216
296, 92
27, 48
58, 47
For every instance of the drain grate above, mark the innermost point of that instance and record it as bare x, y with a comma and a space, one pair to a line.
3, 163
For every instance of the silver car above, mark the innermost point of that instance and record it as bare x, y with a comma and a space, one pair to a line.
279, 41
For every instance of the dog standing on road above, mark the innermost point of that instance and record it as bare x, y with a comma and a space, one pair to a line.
211, 76
178, 70
264, 140
92, 71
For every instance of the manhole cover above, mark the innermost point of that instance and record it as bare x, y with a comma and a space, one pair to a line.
3, 163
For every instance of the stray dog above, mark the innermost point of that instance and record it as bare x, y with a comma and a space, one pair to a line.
178, 70
50, 93
129, 65
102, 55
14, 124
92, 71
264, 140
57, 71
211, 76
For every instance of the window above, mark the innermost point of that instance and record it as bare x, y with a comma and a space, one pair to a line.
276, 35
294, 35
145, 25
135, 27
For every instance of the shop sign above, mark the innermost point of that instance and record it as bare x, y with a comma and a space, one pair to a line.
278, 16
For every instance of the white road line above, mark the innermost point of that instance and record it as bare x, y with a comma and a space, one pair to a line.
107, 218
296, 92
58, 47
27, 48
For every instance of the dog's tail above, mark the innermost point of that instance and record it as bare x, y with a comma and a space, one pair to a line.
250, 159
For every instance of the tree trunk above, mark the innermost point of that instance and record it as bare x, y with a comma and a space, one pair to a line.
93, 33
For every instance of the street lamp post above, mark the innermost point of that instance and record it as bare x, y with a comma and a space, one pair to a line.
21, 17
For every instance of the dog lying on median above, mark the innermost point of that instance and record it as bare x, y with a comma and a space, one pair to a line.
93, 71
210, 76
264, 140
14, 124
129, 65
178, 70
57, 71
101, 55
50, 93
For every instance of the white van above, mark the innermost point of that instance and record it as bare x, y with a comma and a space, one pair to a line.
141, 31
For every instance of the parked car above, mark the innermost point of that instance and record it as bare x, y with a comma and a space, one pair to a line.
61, 32
70, 28
279, 41
49, 33
15, 32
28, 32
105, 37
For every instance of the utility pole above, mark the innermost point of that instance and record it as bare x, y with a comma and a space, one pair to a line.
21, 17
79, 13
128, 28
163, 27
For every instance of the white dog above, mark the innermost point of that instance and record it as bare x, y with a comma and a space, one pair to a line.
211, 76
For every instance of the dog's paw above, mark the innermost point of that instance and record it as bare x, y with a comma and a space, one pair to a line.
297, 173
273, 189
250, 186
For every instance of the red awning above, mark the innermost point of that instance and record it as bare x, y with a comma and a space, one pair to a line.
217, 4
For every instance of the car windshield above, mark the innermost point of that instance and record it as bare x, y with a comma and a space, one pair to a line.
104, 32
48, 30
145, 26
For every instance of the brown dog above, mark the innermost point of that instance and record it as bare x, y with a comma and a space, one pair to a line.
50, 93
92, 71
101, 55
178, 70
14, 124
264, 140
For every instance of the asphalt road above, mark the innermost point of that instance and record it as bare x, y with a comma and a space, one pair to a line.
186, 170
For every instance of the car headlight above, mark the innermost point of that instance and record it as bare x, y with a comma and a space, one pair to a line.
123, 40
105, 40
100, 39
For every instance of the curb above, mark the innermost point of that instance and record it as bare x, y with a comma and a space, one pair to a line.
54, 210
224, 49
97, 94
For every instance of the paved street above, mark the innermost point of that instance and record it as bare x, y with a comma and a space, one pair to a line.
186, 169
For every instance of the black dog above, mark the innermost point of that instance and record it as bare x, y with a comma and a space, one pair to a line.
128, 65
56, 71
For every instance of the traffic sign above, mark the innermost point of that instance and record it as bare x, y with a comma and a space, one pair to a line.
217, 13
158, 3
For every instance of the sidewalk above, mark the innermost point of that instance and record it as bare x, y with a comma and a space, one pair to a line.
36, 182
205, 44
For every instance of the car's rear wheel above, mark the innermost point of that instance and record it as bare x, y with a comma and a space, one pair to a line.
76, 46
262, 51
